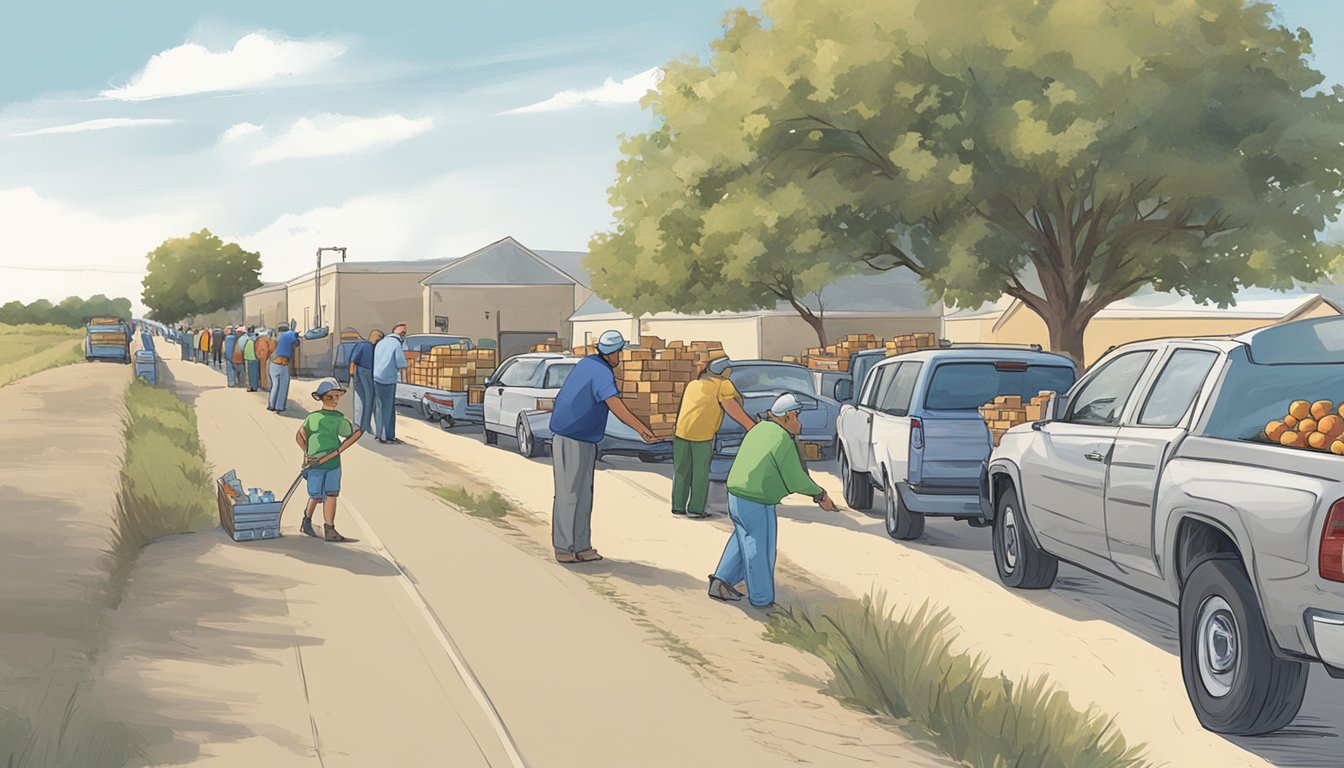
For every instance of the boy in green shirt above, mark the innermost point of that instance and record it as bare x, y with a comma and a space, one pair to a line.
324, 436
767, 468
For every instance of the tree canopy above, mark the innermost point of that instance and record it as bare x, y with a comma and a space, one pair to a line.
1065, 152
72, 311
197, 274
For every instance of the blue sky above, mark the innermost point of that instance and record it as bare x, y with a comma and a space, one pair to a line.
397, 130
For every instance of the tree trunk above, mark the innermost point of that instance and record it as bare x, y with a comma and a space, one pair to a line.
818, 326
1066, 337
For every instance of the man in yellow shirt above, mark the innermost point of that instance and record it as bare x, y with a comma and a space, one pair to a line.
703, 406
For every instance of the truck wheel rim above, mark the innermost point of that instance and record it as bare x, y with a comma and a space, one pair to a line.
1218, 646
891, 508
844, 477
524, 440
1010, 542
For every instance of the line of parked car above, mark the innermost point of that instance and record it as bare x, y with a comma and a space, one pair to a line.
1149, 469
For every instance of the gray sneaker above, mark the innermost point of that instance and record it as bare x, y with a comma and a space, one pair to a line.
722, 590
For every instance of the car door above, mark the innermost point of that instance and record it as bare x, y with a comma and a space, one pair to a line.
521, 386
494, 394
891, 420
1064, 473
856, 424
1141, 449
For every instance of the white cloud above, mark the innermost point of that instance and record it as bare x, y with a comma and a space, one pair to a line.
627, 91
97, 125
327, 135
255, 60
238, 131
64, 250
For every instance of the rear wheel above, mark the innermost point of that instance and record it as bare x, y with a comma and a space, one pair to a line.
490, 437
527, 443
446, 423
1021, 564
1235, 682
902, 524
858, 489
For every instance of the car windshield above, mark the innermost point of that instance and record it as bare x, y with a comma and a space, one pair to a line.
788, 378
1252, 395
969, 385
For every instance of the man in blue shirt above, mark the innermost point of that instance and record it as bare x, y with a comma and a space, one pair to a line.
361, 380
388, 360
286, 346
578, 422
230, 341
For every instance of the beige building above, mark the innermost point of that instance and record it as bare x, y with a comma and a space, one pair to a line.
886, 304
267, 306
1144, 316
506, 292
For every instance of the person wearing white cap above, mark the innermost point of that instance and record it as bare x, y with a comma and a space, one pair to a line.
767, 468
324, 436
578, 423
703, 406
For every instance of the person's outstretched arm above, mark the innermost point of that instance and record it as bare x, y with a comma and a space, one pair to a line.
622, 412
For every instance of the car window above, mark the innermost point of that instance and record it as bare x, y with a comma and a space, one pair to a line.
520, 373
1102, 399
873, 383
1176, 387
898, 389
789, 378
965, 386
556, 375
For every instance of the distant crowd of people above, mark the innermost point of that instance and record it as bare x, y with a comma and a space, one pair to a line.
251, 358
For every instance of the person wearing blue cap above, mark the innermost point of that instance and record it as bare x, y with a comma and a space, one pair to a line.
703, 406
767, 468
578, 423
324, 436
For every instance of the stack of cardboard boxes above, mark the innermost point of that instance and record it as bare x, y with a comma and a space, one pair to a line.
1008, 411
551, 345
911, 342
453, 368
836, 357
654, 375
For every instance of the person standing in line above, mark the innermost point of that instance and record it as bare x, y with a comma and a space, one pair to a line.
388, 359
250, 359
265, 348
324, 436
703, 406
286, 345
217, 348
198, 346
768, 467
184, 341
578, 423
230, 346
236, 362
361, 379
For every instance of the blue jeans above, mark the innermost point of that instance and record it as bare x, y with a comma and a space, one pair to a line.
323, 482
750, 553
279, 397
253, 374
235, 374
385, 410
362, 383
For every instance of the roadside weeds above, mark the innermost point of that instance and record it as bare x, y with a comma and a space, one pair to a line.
487, 504
904, 668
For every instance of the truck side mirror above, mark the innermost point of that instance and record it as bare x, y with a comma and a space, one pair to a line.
844, 390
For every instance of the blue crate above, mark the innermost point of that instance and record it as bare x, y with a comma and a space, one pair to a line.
244, 521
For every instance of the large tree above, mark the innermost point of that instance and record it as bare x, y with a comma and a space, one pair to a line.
1065, 152
197, 274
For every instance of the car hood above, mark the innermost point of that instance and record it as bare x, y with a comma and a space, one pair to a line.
818, 421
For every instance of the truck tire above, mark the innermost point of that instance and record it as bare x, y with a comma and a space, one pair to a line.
423, 408
1235, 682
1020, 563
902, 524
858, 488
527, 442
447, 423
490, 437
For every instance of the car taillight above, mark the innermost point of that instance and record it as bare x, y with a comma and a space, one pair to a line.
546, 404
916, 434
1332, 544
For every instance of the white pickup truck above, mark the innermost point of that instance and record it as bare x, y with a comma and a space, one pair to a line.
1155, 471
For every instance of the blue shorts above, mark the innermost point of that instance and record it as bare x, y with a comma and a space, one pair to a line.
323, 482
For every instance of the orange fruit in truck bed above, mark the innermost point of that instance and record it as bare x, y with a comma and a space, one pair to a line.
1299, 409
1306, 426
1337, 447
1290, 421
1290, 439
1331, 425
1321, 408
1318, 440
1274, 430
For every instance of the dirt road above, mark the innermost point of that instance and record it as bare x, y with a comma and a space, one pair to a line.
290, 650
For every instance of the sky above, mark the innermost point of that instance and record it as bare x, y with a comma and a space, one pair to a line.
397, 130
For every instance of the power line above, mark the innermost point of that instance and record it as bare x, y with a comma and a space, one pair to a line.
72, 269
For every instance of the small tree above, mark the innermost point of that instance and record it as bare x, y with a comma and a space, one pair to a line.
197, 274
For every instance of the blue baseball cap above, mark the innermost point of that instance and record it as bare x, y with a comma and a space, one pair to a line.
325, 387
610, 341
718, 365
786, 404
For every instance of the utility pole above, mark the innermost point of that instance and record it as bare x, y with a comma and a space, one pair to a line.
317, 285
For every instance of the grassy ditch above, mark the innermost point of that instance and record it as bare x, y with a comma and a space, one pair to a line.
29, 349
904, 668
487, 504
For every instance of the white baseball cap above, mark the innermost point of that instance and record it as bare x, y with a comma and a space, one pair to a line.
785, 404
610, 341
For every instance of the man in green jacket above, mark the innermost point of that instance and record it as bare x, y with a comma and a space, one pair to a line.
768, 467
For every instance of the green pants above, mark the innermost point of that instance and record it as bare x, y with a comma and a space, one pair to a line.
690, 475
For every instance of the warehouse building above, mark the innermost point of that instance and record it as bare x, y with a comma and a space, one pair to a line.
267, 306
885, 303
1148, 315
506, 292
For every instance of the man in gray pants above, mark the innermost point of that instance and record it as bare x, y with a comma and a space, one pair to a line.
578, 422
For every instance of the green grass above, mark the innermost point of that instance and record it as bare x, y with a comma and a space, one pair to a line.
905, 669
73, 730
488, 505
29, 349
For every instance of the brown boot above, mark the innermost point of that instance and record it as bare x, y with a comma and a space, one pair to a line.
330, 534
